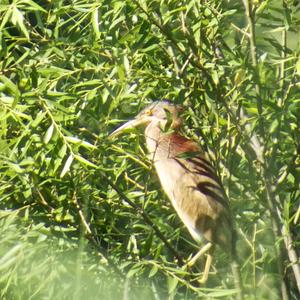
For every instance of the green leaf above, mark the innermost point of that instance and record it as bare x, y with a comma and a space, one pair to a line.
12, 87
18, 19
31, 5
85, 161
39, 118
95, 22
7, 15
10, 257
75, 140
172, 284
298, 66
16, 167
153, 271
48, 134
222, 293
133, 271
67, 165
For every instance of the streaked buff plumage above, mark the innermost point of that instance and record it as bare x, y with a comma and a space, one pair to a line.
187, 177
181, 178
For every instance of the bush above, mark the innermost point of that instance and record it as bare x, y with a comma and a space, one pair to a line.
85, 217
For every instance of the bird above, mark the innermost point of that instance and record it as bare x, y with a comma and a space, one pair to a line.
188, 178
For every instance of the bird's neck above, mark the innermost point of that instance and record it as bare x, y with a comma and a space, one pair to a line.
162, 145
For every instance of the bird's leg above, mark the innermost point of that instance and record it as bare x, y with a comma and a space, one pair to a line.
204, 277
202, 251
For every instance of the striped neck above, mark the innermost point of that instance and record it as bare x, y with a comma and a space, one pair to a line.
167, 144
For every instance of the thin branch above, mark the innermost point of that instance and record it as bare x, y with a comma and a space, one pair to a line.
292, 255
244, 32
250, 14
266, 174
250, 18
81, 214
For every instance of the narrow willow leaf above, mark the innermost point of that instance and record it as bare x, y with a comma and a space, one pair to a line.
126, 64
18, 19
67, 165
133, 271
39, 117
27, 161
12, 87
298, 67
153, 271
54, 71
95, 22
172, 283
10, 254
278, 29
16, 168
75, 140
49, 134
222, 293
61, 154
92, 82
117, 21
6, 17
85, 161
62, 151
229, 12
35, 6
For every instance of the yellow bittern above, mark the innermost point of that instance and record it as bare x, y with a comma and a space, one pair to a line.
187, 177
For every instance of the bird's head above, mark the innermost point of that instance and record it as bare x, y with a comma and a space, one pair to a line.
159, 113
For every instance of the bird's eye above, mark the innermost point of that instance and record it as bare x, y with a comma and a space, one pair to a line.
148, 112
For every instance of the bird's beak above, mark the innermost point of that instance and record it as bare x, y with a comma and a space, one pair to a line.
129, 125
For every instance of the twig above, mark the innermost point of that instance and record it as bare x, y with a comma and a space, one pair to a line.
81, 215
244, 32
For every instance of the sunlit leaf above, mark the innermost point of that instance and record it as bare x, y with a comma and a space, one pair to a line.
49, 133
18, 19
75, 140
85, 161
67, 165
172, 283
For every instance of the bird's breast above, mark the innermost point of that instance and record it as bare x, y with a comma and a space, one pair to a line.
168, 173
171, 177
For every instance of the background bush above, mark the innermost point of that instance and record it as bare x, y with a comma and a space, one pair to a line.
77, 210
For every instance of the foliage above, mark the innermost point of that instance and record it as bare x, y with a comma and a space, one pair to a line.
83, 216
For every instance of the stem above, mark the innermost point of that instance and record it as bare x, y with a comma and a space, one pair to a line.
250, 18
275, 221
282, 65
292, 255
250, 14
254, 259
266, 173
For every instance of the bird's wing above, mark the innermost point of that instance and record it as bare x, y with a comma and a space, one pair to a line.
201, 196
205, 180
